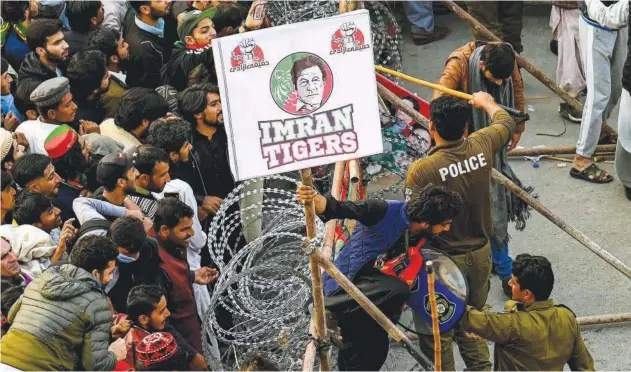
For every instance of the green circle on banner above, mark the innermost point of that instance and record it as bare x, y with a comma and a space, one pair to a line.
301, 83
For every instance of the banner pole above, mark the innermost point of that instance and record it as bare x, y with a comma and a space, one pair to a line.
434, 307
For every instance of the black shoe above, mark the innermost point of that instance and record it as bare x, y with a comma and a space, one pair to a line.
627, 192
508, 291
554, 47
568, 112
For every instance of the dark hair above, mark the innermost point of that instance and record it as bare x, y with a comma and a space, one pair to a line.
138, 104
535, 274
93, 252
259, 363
23, 97
13, 11
193, 100
229, 15
79, 13
128, 232
148, 157
29, 206
29, 168
104, 40
40, 30
137, 4
305, 63
499, 59
450, 115
169, 134
71, 163
85, 72
142, 300
201, 75
9, 297
170, 212
415, 104
434, 205
6, 180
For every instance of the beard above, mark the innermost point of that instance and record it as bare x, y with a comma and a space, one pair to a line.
217, 123
53, 58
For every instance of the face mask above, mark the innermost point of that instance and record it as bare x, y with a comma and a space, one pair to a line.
126, 259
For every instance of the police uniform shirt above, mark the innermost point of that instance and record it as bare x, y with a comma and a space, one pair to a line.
464, 166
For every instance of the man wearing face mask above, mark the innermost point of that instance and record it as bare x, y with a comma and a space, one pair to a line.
138, 261
196, 31
63, 320
382, 227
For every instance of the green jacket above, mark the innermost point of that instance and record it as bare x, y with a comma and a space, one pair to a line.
62, 322
540, 337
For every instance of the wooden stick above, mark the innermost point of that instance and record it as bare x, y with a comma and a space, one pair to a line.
373, 310
392, 98
434, 308
565, 226
521, 61
411, 79
554, 150
316, 277
537, 205
327, 251
604, 319
355, 172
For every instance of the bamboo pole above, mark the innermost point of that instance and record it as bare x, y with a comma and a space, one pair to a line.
523, 62
327, 251
372, 310
564, 225
556, 150
316, 277
434, 309
392, 98
355, 172
604, 319
537, 205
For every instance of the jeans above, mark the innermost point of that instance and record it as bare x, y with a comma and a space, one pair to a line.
503, 262
420, 15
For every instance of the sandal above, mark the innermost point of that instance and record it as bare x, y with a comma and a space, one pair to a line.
591, 174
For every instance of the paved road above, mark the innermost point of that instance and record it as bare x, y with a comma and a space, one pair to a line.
584, 282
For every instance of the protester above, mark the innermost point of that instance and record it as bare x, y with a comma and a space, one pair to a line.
147, 307
173, 226
138, 261
16, 17
36, 239
623, 147
23, 102
13, 146
8, 102
603, 51
95, 216
196, 32
152, 164
49, 49
89, 80
421, 16
144, 31
503, 18
83, 16
160, 352
12, 273
380, 227
229, 17
118, 176
8, 197
36, 172
492, 68
63, 320
55, 105
138, 108
570, 75
173, 135
464, 166
534, 334
114, 14
116, 52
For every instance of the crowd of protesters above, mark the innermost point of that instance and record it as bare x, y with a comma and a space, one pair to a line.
114, 162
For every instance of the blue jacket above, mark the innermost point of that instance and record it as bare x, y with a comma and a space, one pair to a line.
368, 242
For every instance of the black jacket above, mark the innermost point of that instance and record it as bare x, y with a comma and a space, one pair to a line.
33, 72
149, 53
89, 110
76, 42
183, 61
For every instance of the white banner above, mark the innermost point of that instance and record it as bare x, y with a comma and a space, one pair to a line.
300, 95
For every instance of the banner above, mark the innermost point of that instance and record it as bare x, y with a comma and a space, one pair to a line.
299, 95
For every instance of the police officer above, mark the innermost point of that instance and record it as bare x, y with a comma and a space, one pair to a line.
534, 334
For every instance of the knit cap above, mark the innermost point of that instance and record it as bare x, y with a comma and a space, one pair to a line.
6, 142
156, 348
60, 140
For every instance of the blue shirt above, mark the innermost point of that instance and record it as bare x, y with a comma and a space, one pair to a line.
158, 31
8, 105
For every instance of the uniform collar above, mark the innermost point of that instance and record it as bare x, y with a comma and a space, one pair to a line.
538, 305
448, 145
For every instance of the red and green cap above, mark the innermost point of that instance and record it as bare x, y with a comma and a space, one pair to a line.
60, 140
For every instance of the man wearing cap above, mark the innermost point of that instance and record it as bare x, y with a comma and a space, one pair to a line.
55, 105
196, 31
